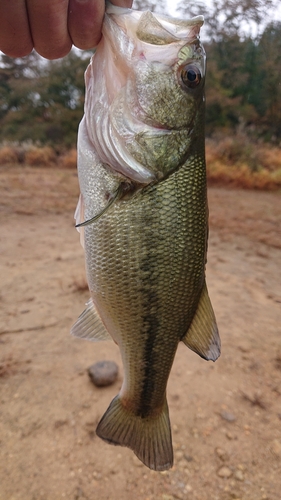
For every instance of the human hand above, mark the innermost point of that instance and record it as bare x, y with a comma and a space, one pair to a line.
51, 26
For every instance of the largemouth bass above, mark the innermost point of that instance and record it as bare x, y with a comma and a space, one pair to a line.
143, 216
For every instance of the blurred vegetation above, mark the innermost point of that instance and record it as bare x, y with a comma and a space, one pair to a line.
42, 101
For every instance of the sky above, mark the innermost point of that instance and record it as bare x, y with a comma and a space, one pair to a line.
274, 15
172, 5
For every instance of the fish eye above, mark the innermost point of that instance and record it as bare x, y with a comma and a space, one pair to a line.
190, 76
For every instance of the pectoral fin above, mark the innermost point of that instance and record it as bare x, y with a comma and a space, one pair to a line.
202, 336
89, 325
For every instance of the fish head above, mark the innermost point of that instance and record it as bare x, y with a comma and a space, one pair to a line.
145, 92
167, 80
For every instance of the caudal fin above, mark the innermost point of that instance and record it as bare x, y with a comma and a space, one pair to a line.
149, 437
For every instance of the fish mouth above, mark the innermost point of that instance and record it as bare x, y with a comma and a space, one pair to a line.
154, 28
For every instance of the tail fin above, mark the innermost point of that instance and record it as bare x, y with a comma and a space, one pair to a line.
149, 437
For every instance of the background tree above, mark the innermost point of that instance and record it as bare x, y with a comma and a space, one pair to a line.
225, 18
152, 5
43, 100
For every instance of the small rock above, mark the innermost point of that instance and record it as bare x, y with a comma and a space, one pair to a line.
229, 436
276, 448
244, 348
235, 495
224, 472
223, 455
103, 373
239, 475
229, 417
241, 467
97, 475
60, 423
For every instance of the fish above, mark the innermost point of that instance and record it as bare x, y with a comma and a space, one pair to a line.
143, 216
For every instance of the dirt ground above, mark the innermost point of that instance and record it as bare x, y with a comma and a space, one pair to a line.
225, 416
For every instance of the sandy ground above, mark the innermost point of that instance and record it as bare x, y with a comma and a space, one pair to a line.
226, 416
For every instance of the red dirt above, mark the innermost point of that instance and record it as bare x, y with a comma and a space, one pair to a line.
226, 416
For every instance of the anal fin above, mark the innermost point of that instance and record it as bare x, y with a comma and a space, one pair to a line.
202, 336
89, 325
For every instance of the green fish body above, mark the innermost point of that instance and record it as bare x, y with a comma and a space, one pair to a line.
144, 217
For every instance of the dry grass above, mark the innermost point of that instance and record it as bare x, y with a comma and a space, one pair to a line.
232, 161
271, 158
68, 159
8, 155
37, 156
237, 162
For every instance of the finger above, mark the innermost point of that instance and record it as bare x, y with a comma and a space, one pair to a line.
122, 3
48, 24
85, 19
15, 36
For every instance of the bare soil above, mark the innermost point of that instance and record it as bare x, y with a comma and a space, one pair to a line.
226, 416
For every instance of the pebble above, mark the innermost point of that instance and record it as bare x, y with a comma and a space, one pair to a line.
239, 475
229, 417
230, 436
224, 472
223, 455
276, 448
97, 475
103, 373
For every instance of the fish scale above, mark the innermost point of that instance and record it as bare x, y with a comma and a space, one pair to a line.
145, 243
